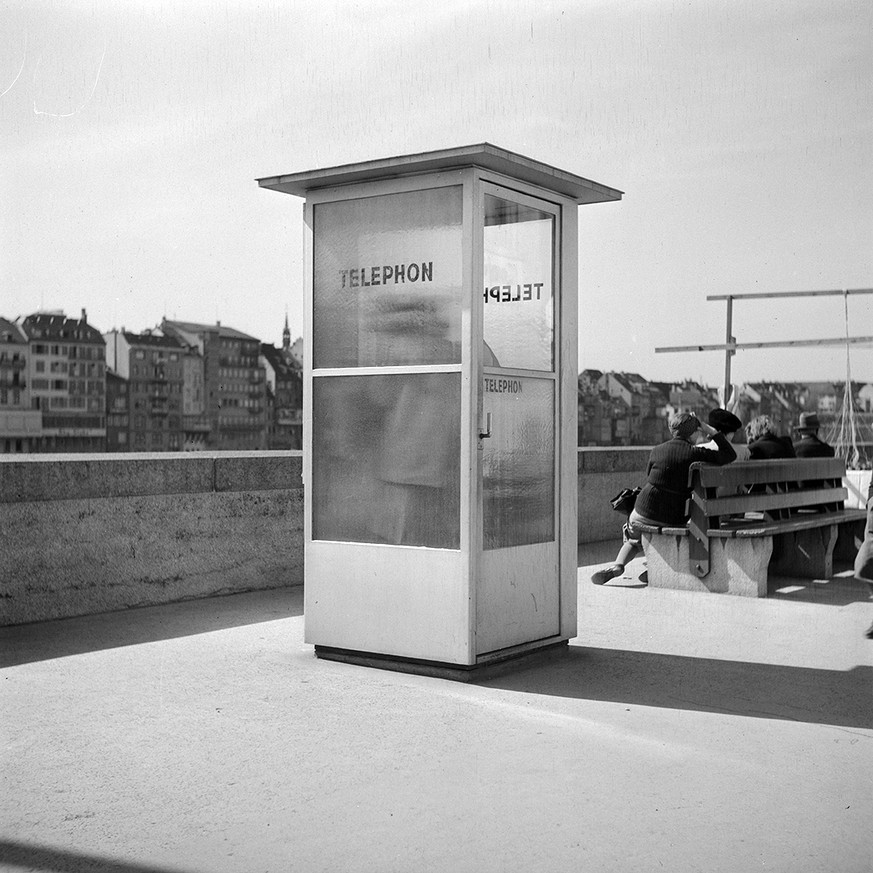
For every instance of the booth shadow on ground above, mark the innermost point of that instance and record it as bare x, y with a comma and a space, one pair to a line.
42, 641
771, 691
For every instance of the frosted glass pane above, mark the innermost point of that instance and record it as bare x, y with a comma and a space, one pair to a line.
518, 327
387, 279
518, 463
386, 459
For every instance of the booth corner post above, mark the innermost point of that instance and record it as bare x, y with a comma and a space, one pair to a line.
440, 403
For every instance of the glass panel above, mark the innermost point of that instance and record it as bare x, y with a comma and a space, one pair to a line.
519, 308
388, 280
518, 463
386, 455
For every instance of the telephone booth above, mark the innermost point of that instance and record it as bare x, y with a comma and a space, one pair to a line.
440, 392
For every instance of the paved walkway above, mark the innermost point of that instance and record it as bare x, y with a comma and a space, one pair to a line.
681, 732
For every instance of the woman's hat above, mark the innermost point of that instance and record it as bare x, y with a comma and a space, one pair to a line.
683, 424
724, 421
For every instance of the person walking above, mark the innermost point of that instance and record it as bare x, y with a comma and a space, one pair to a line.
662, 499
864, 558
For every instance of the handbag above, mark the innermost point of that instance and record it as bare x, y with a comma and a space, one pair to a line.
625, 500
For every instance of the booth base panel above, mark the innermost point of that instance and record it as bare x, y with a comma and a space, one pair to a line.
488, 665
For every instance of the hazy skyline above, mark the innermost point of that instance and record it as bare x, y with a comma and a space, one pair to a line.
132, 135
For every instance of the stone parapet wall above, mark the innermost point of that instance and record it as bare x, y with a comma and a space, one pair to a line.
602, 473
81, 534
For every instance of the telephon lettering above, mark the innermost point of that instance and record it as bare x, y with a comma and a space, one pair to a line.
514, 293
399, 274
502, 386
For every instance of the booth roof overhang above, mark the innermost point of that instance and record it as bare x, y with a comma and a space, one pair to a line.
483, 155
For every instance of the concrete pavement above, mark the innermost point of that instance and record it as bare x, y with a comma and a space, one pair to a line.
681, 732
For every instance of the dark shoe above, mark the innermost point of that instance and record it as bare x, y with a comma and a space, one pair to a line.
603, 576
644, 577
869, 633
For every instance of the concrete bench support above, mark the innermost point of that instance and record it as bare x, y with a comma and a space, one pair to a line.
808, 554
737, 566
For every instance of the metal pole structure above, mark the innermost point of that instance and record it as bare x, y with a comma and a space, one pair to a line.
728, 352
731, 345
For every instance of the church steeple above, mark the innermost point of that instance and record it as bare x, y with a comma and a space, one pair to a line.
286, 336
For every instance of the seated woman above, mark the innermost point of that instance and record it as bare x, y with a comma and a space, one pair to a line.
663, 497
765, 442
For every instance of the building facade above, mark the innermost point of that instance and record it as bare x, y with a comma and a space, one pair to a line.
234, 383
117, 413
151, 363
20, 426
285, 398
66, 372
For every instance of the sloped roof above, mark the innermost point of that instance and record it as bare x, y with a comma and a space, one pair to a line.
151, 339
277, 360
44, 325
10, 332
197, 327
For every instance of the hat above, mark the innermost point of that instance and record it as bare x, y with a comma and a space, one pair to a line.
724, 421
683, 424
808, 421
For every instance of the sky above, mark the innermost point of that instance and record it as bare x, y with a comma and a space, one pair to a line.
131, 135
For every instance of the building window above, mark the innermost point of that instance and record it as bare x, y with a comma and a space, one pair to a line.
40, 366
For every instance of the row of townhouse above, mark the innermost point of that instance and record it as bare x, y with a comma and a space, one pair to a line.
625, 409
185, 386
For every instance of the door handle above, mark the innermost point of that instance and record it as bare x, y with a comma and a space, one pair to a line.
484, 435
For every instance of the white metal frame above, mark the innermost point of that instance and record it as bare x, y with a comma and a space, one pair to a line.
453, 647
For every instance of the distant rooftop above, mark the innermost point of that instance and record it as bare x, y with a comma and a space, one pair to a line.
197, 328
56, 325
151, 338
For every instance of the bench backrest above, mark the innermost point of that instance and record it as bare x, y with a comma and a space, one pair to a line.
778, 489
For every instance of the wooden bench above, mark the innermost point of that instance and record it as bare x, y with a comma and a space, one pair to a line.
754, 518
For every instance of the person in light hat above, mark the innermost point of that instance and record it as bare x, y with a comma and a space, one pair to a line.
808, 445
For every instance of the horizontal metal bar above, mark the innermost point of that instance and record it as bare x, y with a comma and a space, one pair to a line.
838, 341
777, 294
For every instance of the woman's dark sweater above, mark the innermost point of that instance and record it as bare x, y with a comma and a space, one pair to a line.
769, 447
666, 490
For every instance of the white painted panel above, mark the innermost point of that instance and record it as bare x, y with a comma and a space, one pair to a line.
391, 600
517, 598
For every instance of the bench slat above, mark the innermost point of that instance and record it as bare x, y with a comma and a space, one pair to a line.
766, 529
763, 472
716, 506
